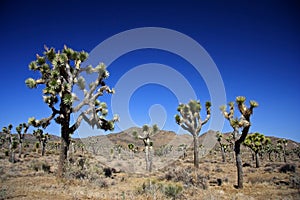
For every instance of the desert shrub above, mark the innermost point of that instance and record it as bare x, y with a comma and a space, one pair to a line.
150, 187
46, 167
247, 165
187, 177
173, 190
154, 189
295, 182
3, 193
287, 168
101, 183
40, 166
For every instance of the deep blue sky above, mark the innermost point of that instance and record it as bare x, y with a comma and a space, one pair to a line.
255, 45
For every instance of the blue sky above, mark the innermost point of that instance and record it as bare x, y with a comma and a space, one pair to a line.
254, 44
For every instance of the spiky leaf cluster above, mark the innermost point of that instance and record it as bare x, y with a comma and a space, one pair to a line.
60, 71
189, 116
242, 121
256, 142
41, 136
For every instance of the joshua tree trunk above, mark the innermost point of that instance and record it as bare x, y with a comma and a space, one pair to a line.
223, 154
257, 160
147, 158
270, 158
43, 148
150, 158
237, 150
65, 141
284, 156
11, 151
239, 164
20, 149
196, 153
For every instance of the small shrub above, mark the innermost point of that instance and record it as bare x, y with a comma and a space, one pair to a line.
46, 167
173, 190
295, 182
101, 183
40, 166
187, 177
287, 168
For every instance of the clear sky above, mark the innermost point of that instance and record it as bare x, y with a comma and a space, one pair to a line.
254, 44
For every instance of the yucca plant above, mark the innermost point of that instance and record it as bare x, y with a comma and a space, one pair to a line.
146, 137
131, 149
11, 142
189, 119
42, 138
223, 146
256, 143
236, 123
281, 146
60, 72
21, 130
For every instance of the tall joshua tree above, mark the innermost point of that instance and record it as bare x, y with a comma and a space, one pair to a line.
21, 136
281, 144
42, 138
60, 71
239, 123
11, 142
256, 143
223, 146
190, 120
146, 137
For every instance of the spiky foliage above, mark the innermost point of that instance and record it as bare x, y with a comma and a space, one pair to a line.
60, 72
256, 142
21, 130
146, 137
42, 138
237, 123
189, 119
12, 143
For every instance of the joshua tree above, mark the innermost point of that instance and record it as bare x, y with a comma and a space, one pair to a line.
42, 138
60, 71
21, 136
237, 123
146, 137
12, 144
223, 146
131, 148
268, 148
281, 144
256, 143
190, 120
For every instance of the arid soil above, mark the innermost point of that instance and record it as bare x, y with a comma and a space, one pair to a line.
122, 175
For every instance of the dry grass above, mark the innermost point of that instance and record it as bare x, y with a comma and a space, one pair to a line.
27, 179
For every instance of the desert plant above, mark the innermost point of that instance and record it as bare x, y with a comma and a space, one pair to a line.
60, 72
281, 146
190, 120
21, 135
12, 143
173, 190
268, 148
223, 146
256, 143
238, 123
131, 149
146, 137
42, 138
